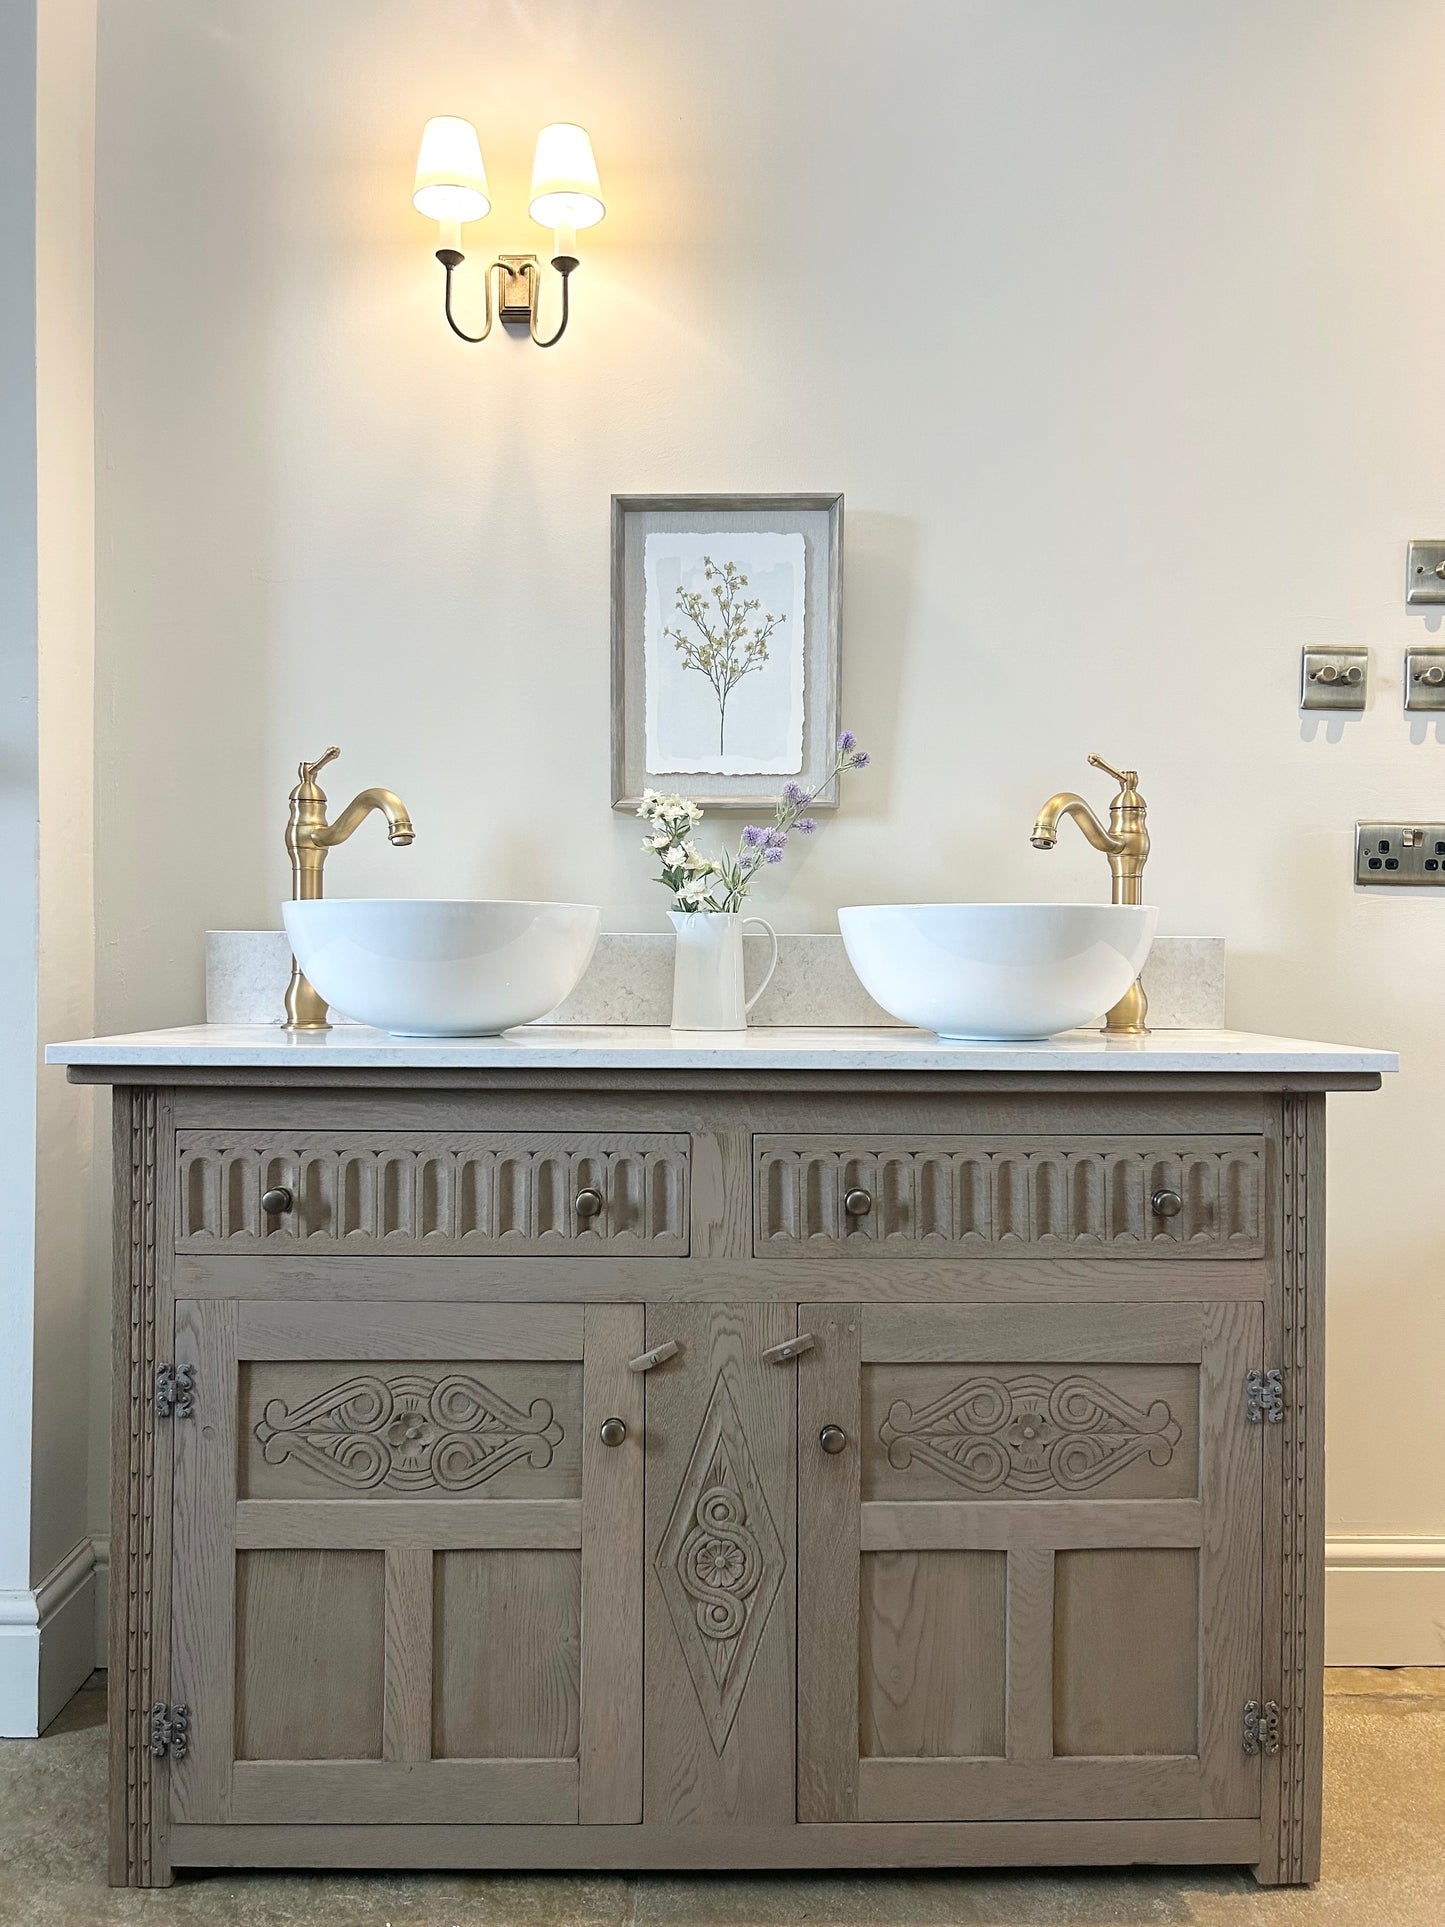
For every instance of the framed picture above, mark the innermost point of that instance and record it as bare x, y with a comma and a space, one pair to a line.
726, 613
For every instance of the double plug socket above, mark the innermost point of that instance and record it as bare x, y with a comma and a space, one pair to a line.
1396, 853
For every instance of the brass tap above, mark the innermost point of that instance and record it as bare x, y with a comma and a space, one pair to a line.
1126, 844
308, 837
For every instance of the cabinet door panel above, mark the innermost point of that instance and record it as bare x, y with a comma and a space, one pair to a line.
1030, 1583
721, 1443
408, 1587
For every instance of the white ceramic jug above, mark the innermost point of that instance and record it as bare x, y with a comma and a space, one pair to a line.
707, 978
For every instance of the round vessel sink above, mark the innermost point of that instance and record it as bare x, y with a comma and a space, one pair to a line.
442, 966
997, 972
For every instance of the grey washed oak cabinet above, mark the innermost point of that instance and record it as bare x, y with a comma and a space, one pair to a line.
970, 1515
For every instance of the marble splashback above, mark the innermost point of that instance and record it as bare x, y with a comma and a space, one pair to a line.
629, 981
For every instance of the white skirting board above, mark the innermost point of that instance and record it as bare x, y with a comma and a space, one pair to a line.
1385, 1602
51, 1640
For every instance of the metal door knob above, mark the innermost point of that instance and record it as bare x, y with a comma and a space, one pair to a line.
588, 1203
832, 1438
277, 1201
613, 1431
1166, 1204
858, 1203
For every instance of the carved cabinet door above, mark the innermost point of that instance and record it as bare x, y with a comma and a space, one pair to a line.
1029, 1582
407, 1563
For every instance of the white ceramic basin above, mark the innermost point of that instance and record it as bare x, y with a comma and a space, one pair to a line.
997, 971
442, 966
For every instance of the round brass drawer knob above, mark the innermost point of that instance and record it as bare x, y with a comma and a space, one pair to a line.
832, 1438
858, 1203
613, 1432
588, 1204
277, 1201
1166, 1204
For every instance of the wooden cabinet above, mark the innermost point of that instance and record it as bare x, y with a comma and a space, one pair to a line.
726, 1522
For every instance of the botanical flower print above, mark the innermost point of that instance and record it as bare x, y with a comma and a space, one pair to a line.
724, 647
725, 633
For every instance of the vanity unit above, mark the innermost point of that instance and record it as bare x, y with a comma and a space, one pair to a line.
601, 1449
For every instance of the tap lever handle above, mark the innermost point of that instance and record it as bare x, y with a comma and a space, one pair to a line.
307, 771
1127, 779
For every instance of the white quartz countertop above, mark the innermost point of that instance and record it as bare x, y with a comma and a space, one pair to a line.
639, 1047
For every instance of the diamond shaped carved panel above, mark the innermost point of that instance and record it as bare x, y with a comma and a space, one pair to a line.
720, 1564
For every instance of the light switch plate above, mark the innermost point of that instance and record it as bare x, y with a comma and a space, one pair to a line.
1396, 853
1425, 679
1425, 572
1333, 678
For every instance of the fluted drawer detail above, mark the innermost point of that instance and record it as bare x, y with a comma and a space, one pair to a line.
478, 1192
956, 1197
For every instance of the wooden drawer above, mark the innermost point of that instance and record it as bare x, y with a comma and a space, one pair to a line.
937, 1197
479, 1192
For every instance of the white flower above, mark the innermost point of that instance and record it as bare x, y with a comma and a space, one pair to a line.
675, 858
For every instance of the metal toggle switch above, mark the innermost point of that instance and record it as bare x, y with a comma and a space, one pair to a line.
1425, 679
1425, 572
1333, 678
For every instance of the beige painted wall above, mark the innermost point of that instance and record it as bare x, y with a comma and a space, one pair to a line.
1119, 326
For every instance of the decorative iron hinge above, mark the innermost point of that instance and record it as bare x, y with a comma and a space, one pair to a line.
175, 1391
1264, 1396
1261, 1726
170, 1732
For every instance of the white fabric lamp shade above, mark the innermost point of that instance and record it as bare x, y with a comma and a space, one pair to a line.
566, 192
451, 183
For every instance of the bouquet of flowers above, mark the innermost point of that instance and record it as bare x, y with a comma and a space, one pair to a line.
722, 883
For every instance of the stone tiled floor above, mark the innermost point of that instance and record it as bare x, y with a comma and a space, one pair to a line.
1384, 1858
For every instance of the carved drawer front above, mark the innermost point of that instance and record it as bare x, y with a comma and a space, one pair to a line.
925, 1197
511, 1193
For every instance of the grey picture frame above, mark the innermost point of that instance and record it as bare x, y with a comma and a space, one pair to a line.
819, 516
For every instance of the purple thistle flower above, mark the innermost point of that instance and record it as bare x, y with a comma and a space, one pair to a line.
847, 741
806, 825
860, 760
775, 855
795, 794
775, 838
753, 837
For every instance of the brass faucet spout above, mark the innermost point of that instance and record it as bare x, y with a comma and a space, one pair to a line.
1045, 833
398, 823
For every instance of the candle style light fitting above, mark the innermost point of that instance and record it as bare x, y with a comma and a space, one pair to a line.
451, 189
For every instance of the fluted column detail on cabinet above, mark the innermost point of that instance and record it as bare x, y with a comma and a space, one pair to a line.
1292, 1802
141, 1126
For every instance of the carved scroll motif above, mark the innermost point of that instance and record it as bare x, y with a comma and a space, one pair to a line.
408, 1432
1029, 1433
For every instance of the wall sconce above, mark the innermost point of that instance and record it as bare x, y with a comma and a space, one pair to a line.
451, 188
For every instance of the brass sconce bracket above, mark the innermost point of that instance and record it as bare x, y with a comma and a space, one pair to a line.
519, 290
514, 287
